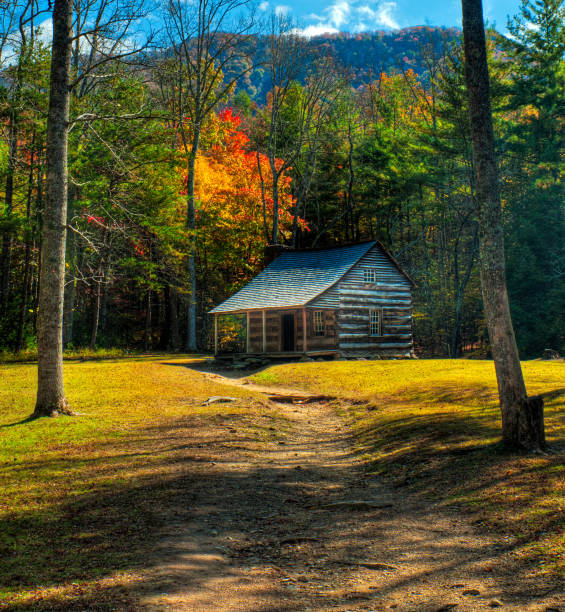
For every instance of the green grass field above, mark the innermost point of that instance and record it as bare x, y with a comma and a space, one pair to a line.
81, 498
433, 426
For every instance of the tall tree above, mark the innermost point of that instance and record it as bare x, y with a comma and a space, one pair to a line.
290, 123
104, 33
206, 41
51, 398
534, 136
522, 418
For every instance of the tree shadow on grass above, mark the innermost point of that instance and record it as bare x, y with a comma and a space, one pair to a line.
228, 372
28, 419
456, 459
83, 543
171, 516
173, 506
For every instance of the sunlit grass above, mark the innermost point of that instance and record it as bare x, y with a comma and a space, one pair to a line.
81, 497
30, 355
433, 426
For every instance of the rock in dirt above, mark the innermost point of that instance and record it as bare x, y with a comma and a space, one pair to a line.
472, 592
446, 607
495, 604
219, 399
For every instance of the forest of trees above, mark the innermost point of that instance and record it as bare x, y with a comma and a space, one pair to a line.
192, 150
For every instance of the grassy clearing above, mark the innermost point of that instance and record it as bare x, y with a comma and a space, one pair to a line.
434, 427
30, 355
82, 498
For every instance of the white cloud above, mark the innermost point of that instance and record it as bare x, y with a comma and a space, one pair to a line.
351, 15
339, 13
264, 6
316, 30
381, 16
46, 31
282, 10
13, 41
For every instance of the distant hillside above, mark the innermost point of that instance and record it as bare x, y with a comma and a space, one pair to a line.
365, 55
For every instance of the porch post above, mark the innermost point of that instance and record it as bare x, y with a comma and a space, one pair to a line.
304, 330
264, 332
247, 338
215, 333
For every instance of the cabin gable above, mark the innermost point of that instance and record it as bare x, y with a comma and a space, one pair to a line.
373, 305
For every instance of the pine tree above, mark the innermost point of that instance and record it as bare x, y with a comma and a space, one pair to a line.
534, 164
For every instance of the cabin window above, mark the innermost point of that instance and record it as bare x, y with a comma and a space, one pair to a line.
370, 275
375, 322
319, 328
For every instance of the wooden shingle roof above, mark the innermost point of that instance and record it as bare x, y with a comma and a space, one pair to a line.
295, 278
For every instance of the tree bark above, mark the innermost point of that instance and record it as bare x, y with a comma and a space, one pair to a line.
521, 420
51, 398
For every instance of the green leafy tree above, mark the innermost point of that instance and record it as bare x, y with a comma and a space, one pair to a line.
534, 145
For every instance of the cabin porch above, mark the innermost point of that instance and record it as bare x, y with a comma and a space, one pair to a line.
278, 333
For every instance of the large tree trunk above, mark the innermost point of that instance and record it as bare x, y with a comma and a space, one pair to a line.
51, 398
522, 419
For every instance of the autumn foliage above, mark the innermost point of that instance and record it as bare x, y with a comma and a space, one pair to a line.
232, 217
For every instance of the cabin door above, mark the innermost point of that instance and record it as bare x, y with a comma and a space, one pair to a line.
288, 332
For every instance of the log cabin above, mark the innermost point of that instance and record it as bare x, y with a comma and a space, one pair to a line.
350, 301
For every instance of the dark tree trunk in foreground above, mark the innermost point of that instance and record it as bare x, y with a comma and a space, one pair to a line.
522, 418
50, 391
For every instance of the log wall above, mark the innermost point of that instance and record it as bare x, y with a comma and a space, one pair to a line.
256, 332
273, 329
390, 295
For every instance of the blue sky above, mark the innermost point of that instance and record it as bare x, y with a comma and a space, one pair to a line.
317, 16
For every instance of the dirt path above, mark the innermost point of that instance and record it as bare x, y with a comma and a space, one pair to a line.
294, 525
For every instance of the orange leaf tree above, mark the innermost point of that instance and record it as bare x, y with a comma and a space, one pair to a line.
229, 209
